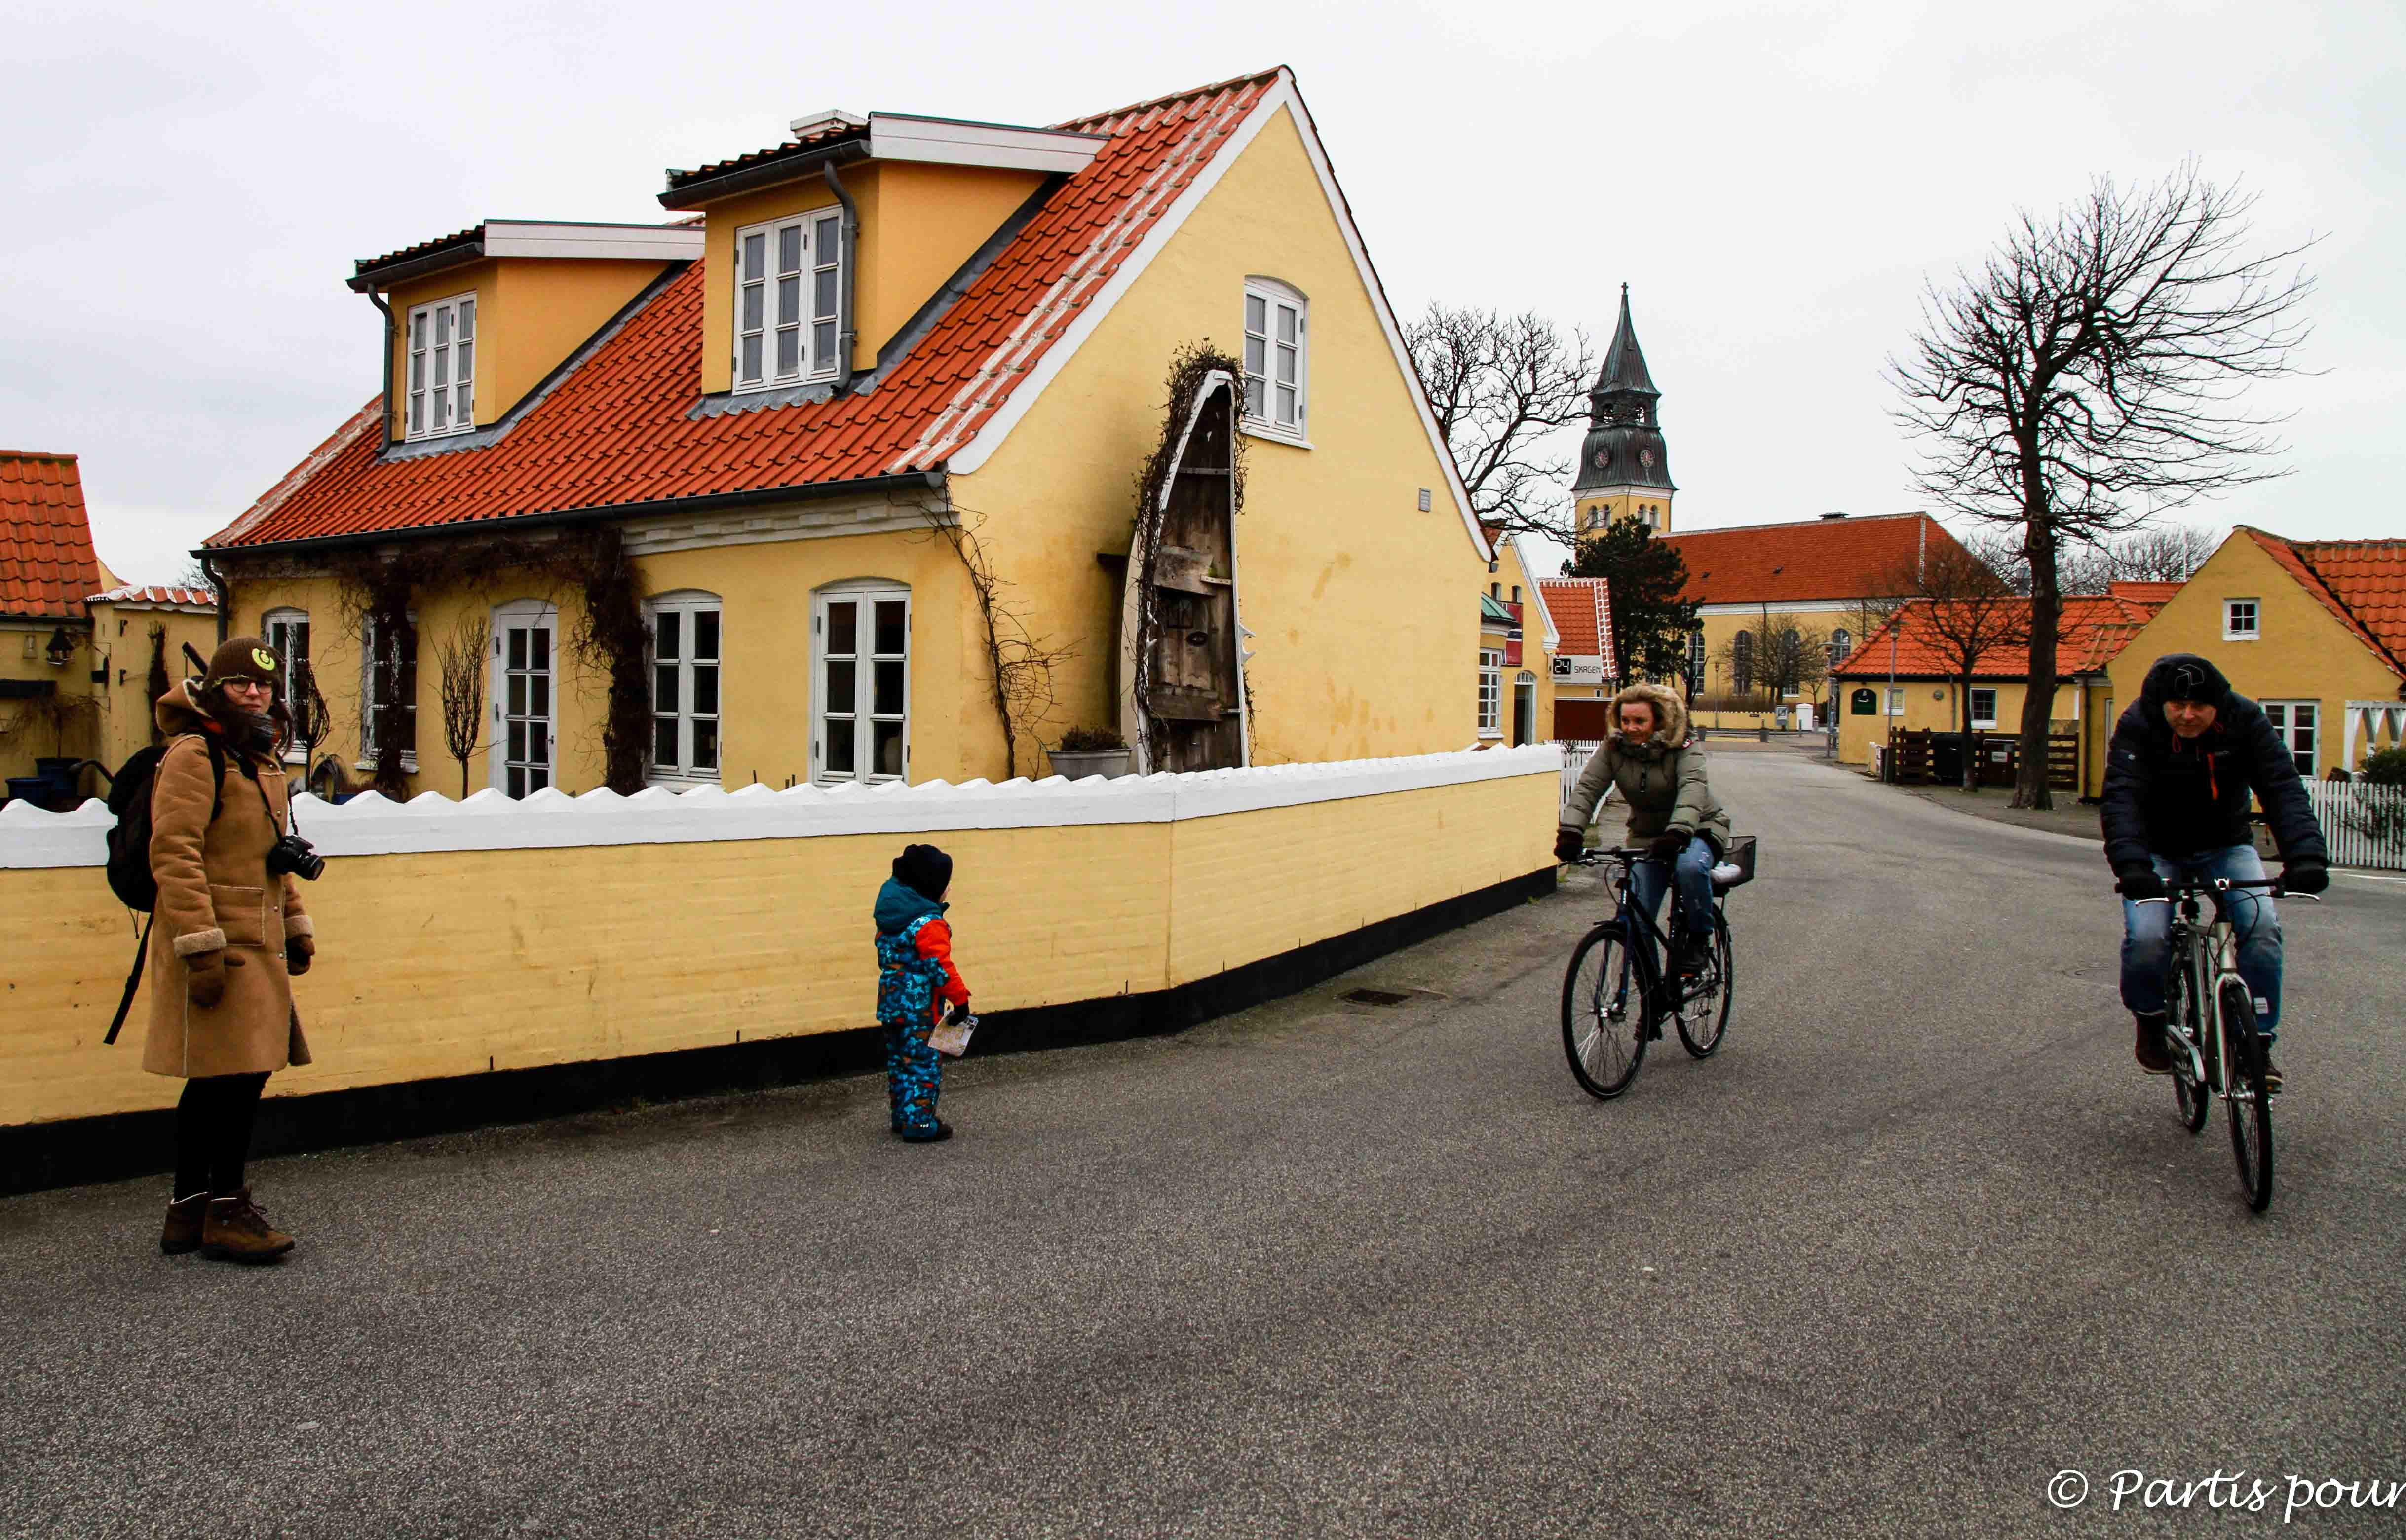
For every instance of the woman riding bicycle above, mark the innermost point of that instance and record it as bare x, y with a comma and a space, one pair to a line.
1661, 774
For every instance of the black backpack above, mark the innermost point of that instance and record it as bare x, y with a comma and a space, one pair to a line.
129, 849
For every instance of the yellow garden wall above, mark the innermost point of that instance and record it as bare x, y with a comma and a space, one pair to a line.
680, 932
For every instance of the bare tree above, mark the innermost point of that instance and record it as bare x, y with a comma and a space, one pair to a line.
1969, 612
2161, 553
461, 659
1775, 657
1500, 387
2093, 373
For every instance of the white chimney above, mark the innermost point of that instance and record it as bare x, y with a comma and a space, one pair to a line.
820, 123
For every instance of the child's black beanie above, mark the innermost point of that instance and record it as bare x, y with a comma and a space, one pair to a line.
925, 870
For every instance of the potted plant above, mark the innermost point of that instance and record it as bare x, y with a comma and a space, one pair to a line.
1090, 751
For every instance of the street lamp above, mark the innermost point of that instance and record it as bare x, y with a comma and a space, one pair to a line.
60, 648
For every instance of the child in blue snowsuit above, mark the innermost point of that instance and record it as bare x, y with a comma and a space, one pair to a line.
915, 980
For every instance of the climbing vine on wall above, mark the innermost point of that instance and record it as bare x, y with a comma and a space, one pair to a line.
608, 639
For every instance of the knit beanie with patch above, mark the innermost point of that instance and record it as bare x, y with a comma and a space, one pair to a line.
244, 657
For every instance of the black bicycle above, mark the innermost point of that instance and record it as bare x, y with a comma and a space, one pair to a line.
2210, 1027
1615, 996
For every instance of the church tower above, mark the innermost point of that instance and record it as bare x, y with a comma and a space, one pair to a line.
1624, 469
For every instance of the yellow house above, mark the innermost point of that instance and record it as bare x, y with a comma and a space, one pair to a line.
2313, 630
830, 479
1905, 678
139, 636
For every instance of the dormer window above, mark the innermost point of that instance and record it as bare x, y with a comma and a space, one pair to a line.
787, 282
443, 367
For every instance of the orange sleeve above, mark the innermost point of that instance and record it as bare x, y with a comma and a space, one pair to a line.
935, 942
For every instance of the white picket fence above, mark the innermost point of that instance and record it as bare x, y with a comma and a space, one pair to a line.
1575, 753
2363, 826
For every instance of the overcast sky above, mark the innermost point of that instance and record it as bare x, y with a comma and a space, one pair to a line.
187, 185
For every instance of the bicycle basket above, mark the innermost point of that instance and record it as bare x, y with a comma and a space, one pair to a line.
1736, 866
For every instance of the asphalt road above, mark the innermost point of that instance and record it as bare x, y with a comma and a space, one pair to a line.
1917, 1239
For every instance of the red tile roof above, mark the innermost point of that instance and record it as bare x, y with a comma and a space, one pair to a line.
2158, 594
2362, 582
135, 593
1582, 611
616, 431
47, 562
2094, 631
1806, 560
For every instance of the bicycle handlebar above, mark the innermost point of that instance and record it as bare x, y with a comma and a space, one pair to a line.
2179, 886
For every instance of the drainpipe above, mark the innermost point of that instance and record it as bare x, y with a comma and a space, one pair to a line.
377, 300
225, 594
844, 332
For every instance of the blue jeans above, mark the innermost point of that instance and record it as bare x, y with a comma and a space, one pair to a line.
1692, 874
2147, 935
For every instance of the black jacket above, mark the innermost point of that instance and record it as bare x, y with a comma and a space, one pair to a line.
2170, 797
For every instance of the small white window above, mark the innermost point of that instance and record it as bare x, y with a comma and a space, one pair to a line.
789, 283
2239, 620
685, 688
2295, 722
860, 707
287, 634
1896, 700
1491, 693
1277, 360
443, 367
1696, 656
389, 672
1984, 708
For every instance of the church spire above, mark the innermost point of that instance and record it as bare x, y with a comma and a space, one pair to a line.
1625, 457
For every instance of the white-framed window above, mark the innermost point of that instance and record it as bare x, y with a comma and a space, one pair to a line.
1491, 693
684, 687
788, 288
1696, 657
1842, 645
2240, 621
2297, 724
389, 672
1984, 708
1277, 364
442, 367
287, 635
526, 666
1896, 700
860, 707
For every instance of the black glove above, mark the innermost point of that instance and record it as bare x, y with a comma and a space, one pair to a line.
1666, 847
1569, 845
2304, 875
298, 950
2138, 882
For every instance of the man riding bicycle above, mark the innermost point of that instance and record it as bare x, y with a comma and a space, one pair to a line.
1660, 775
2185, 756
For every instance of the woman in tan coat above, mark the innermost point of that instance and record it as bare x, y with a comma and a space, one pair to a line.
231, 934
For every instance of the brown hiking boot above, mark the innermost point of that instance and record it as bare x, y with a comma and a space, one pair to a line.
182, 1232
2149, 1048
237, 1231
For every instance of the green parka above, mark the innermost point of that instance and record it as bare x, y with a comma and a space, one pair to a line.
1662, 779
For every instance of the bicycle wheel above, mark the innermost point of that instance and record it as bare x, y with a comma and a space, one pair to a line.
2250, 1109
1709, 1003
1605, 1010
2194, 1098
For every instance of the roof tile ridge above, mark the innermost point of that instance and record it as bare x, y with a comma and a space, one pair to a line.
38, 454
1075, 124
1791, 524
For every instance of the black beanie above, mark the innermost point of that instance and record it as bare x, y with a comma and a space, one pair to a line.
2194, 679
925, 870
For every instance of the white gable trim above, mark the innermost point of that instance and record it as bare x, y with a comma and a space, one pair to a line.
1536, 592
1282, 93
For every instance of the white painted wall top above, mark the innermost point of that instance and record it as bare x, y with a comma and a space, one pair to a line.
369, 824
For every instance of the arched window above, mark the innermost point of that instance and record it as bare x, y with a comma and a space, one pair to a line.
286, 632
1742, 662
1277, 358
1841, 643
1696, 657
685, 735
525, 669
860, 702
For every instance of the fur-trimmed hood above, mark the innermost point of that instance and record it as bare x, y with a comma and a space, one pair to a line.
1670, 716
178, 710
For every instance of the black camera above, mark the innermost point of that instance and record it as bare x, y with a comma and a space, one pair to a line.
298, 856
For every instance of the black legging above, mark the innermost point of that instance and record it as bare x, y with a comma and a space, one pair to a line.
213, 1133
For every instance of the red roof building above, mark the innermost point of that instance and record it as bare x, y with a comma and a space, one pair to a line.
2362, 582
47, 562
1582, 611
1836, 556
1908, 645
